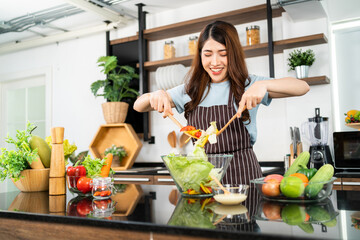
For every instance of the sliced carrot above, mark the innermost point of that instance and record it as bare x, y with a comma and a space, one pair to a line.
105, 170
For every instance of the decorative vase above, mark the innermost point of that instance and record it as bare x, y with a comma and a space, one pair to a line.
302, 71
115, 112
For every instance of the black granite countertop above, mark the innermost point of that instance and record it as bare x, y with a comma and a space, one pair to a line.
160, 208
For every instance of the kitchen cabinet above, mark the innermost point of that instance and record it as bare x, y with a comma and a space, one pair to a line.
350, 184
347, 184
121, 134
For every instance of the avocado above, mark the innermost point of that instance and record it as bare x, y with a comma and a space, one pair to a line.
43, 148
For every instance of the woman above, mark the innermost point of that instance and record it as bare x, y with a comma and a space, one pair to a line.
219, 87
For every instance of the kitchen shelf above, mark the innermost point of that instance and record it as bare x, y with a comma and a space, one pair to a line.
317, 80
121, 134
240, 16
250, 51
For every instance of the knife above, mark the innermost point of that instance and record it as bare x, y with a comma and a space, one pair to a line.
298, 141
294, 143
292, 146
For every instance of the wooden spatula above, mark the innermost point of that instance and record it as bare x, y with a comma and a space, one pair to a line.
228, 123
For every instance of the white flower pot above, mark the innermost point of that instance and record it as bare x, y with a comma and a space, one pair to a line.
302, 71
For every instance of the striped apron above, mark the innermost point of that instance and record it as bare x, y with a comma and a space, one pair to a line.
234, 140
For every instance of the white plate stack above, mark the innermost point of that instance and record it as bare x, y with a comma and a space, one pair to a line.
170, 76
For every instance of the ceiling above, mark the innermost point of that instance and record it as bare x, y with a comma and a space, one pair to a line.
22, 21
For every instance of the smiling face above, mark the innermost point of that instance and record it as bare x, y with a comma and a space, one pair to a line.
214, 60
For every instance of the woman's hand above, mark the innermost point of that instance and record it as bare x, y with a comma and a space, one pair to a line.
160, 101
252, 96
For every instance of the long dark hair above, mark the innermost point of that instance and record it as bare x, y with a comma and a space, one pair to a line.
226, 34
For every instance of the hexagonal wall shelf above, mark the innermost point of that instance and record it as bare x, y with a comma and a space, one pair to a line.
121, 134
126, 201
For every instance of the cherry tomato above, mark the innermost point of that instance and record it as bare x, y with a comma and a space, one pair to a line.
70, 171
84, 207
84, 184
198, 134
271, 188
80, 171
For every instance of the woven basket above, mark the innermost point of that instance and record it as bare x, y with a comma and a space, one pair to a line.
115, 112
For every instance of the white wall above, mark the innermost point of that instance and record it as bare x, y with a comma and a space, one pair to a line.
74, 68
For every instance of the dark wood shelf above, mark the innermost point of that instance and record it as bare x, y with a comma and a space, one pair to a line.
240, 16
317, 80
250, 51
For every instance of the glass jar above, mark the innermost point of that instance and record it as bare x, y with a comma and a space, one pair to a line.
102, 188
192, 45
169, 50
252, 35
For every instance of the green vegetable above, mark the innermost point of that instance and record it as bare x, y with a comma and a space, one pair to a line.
12, 162
319, 214
306, 227
191, 213
68, 148
324, 174
301, 160
93, 166
190, 171
116, 151
309, 173
44, 151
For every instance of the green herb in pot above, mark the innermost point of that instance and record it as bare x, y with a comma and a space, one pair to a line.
118, 152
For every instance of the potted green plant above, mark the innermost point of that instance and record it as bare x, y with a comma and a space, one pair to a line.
115, 88
300, 61
117, 152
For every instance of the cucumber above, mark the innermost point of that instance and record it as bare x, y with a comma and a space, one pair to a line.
301, 160
324, 174
319, 214
306, 227
331, 223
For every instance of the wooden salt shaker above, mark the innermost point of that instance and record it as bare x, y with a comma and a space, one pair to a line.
57, 184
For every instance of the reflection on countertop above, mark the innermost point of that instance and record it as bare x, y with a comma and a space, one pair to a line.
163, 208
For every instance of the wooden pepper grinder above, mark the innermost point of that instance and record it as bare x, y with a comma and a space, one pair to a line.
57, 165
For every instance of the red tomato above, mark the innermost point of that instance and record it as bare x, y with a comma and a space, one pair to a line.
272, 210
271, 188
84, 207
70, 171
278, 177
84, 184
198, 134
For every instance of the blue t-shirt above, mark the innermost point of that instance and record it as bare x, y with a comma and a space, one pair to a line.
219, 95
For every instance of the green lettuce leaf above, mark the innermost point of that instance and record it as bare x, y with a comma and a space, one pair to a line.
189, 172
192, 215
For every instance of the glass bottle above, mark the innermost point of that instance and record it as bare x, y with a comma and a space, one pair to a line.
169, 50
252, 35
192, 45
102, 188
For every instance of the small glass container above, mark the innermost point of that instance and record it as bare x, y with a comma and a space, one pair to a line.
169, 50
102, 188
252, 35
192, 45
